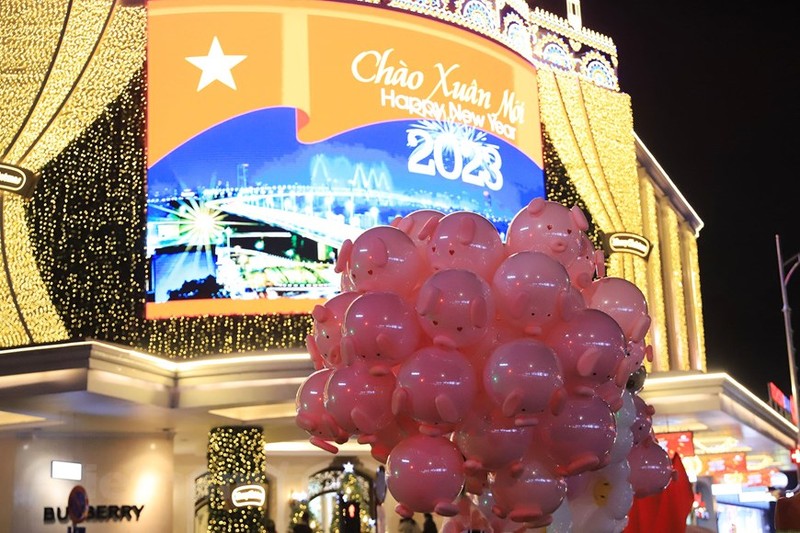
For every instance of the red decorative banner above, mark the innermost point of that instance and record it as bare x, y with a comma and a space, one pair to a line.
681, 442
724, 467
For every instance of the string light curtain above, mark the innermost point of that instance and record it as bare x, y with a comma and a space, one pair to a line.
235, 457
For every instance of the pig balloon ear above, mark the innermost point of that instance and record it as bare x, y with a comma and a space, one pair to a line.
600, 263
321, 313
378, 252
427, 299
347, 350
648, 351
403, 224
479, 313
427, 229
536, 205
587, 361
466, 231
579, 217
344, 256
639, 328
569, 303
313, 351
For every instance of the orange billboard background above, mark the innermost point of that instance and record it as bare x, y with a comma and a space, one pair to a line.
295, 55
340, 66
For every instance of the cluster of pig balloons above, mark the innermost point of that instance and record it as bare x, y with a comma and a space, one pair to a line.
497, 378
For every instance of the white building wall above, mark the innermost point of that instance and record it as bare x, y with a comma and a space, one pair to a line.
133, 471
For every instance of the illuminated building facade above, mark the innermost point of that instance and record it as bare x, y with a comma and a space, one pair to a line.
101, 207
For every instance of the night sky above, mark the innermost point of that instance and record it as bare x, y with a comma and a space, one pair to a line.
714, 89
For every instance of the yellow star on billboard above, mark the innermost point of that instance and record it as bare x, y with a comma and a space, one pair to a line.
216, 66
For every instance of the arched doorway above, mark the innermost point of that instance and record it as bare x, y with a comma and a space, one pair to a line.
341, 498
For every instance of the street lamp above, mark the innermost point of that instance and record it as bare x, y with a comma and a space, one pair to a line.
792, 263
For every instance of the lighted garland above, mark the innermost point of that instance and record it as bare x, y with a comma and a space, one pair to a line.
560, 188
235, 456
356, 491
187, 337
298, 508
92, 254
87, 224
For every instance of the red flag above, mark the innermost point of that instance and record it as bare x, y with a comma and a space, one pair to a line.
666, 511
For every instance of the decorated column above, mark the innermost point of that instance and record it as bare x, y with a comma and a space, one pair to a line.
237, 488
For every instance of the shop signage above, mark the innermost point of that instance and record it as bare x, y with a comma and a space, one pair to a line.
782, 403
244, 495
18, 180
629, 243
78, 510
248, 496
97, 513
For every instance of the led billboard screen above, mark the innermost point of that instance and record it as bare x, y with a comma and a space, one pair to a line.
278, 129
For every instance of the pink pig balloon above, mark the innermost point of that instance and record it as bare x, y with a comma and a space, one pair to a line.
383, 441
469, 518
611, 393
489, 440
419, 225
580, 436
642, 425
529, 491
359, 401
485, 502
476, 479
651, 468
523, 377
383, 258
630, 370
591, 348
500, 332
548, 227
623, 301
313, 417
380, 329
324, 343
455, 308
436, 387
425, 474
533, 292
636, 353
589, 263
466, 240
